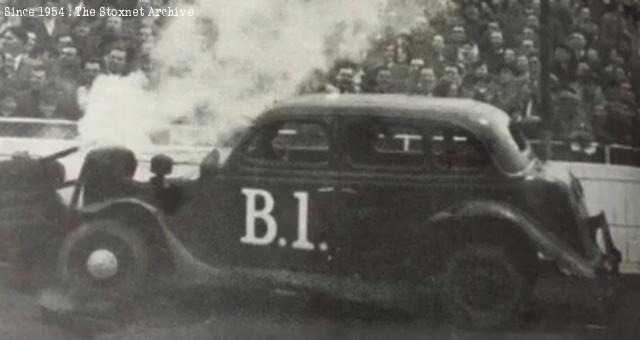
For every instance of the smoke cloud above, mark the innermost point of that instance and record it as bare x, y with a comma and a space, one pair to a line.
227, 65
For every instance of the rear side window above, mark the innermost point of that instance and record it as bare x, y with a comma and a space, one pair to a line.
290, 142
455, 149
377, 143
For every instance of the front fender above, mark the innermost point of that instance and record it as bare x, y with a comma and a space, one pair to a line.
545, 241
186, 271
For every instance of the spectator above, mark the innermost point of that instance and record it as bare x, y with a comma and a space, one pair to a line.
578, 44
13, 43
440, 54
594, 61
529, 34
509, 95
468, 56
92, 69
564, 64
413, 78
513, 21
112, 32
509, 57
474, 22
84, 39
67, 66
527, 47
458, 37
534, 68
485, 39
495, 55
427, 82
389, 56
479, 85
54, 25
384, 82
143, 61
589, 90
116, 61
146, 34
533, 22
452, 75
586, 25
612, 27
523, 70
422, 37
345, 82
400, 69
29, 100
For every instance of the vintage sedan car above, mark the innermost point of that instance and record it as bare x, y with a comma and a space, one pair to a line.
386, 200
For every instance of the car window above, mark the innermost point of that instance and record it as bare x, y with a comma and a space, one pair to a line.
385, 144
456, 149
290, 142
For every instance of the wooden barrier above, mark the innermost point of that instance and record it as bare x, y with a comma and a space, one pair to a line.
615, 189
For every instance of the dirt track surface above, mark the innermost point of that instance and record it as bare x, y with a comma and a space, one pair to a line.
200, 317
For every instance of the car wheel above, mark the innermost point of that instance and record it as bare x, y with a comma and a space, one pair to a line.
482, 287
104, 259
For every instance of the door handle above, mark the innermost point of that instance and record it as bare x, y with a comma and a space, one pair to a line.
327, 189
349, 191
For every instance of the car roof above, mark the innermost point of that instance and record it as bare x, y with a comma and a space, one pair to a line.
473, 115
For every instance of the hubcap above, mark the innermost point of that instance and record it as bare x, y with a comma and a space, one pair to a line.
102, 264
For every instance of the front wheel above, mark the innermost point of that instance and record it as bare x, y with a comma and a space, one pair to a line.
482, 287
104, 259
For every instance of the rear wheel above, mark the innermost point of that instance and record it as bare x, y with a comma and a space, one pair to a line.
104, 259
483, 287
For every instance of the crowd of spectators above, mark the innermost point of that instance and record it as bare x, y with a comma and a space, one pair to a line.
489, 50
49, 63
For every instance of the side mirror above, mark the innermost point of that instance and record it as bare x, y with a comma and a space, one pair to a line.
161, 165
209, 165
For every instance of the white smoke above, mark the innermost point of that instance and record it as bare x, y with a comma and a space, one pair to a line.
230, 63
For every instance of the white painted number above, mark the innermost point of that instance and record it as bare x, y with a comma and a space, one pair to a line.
265, 214
303, 212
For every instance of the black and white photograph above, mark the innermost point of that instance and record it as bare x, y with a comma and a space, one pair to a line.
319, 169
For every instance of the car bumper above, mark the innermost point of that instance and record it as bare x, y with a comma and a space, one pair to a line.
609, 261
607, 266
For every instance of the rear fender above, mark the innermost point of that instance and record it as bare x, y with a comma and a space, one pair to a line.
182, 268
545, 241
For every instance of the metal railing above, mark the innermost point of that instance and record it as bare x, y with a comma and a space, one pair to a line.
56, 129
34, 129
38, 128
596, 153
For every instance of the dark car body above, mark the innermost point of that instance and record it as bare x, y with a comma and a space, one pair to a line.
361, 197
365, 219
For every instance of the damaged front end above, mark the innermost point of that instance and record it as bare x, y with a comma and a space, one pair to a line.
584, 245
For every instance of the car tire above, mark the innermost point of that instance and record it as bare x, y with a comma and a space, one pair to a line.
104, 241
482, 287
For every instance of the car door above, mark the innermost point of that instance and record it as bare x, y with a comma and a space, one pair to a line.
279, 196
383, 194
462, 168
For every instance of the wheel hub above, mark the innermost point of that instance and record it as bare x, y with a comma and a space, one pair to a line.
102, 264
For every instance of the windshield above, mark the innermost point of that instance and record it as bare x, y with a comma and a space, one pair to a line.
519, 161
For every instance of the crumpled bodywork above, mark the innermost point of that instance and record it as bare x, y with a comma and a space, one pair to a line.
546, 242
